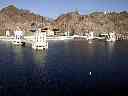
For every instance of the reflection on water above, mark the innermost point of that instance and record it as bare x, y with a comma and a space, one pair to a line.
39, 56
90, 41
111, 46
18, 54
110, 49
91, 49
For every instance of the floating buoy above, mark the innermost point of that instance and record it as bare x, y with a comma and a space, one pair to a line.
90, 73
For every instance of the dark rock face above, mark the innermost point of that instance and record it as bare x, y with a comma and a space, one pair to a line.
10, 17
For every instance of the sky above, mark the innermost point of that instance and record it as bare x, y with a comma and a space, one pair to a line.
54, 8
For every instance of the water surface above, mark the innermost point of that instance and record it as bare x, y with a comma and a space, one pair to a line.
63, 70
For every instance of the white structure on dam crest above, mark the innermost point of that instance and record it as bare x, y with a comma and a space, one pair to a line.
90, 36
18, 37
39, 41
7, 33
111, 37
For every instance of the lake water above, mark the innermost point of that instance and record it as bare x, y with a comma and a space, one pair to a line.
64, 69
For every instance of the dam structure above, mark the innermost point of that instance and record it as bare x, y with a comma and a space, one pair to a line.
39, 40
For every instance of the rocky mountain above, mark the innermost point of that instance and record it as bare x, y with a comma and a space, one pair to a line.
96, 22
10, 17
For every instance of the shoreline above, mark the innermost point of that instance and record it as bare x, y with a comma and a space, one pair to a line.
29, 39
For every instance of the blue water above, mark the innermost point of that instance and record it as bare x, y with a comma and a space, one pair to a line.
63, 70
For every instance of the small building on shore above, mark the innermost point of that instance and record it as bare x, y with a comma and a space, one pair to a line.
90, 36
57, 32
7, 33
67, 33
111, 37
48, 31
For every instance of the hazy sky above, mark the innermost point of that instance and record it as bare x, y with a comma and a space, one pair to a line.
53, 8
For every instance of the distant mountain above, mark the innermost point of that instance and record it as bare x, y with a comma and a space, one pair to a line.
10, 17
96, 22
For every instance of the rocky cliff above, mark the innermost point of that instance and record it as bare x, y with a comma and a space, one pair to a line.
96, 22
10, 17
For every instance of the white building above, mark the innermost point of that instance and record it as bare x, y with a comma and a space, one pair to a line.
111, 37
18, 37
67, 33
40, 41
90, 36
50, 33
7, 33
